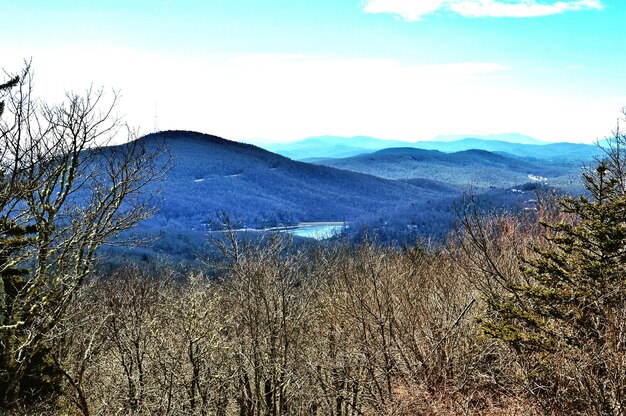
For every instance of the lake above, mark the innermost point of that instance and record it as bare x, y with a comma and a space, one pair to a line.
314, 230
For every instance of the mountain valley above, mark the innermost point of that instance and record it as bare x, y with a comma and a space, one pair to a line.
397, 193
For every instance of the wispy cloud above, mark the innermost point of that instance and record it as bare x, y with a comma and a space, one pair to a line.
414, 10
285, 97
618, 101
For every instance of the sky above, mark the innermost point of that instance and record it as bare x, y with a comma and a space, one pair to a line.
282, 70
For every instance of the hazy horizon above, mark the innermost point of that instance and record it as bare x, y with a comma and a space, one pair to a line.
437, 138
276, 71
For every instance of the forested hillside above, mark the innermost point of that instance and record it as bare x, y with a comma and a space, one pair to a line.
210, 175
465, 169
398, 194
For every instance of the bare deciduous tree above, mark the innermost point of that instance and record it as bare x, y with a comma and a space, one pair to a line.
71, 194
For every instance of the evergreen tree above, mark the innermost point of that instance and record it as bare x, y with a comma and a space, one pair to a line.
62, 195
6, 86
567, 319
38, 377
14, 240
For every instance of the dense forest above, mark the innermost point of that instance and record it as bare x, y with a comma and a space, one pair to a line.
397, 194
511, 313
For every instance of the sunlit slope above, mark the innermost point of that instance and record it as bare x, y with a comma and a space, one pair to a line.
210, 175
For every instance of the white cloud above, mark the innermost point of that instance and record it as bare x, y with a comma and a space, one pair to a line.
618, 101
409, 9
288, 97
414, 10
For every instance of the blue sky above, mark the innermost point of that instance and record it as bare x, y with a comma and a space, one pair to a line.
284, 70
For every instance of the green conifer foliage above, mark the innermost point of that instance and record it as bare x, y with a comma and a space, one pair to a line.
63, 194
566, 316
38, 378
14, 239
6, 86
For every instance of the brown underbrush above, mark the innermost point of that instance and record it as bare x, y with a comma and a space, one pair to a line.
345, 330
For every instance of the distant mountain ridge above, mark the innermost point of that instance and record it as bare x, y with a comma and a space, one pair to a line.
556, 152
331, 146
314, 149
478, 168
503, 137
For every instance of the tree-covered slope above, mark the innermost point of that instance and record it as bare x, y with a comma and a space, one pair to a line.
478, 168
210, 174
